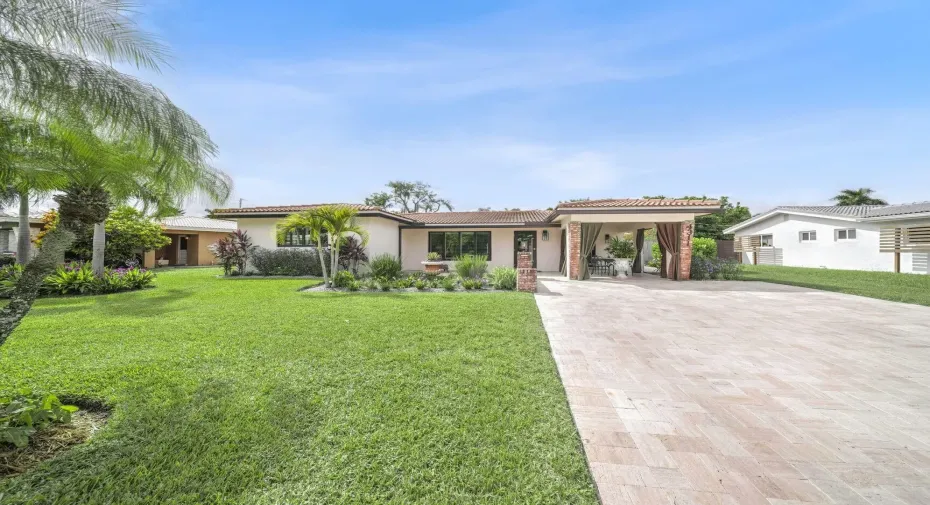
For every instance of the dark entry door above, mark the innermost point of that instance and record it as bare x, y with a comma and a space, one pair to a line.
524, 241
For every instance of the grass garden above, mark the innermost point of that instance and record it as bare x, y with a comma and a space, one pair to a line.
255, 393
907, 288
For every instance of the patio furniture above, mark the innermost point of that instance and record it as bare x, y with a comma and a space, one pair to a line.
623, 267
601, 266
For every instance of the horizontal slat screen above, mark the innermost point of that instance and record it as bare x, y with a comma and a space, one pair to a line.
748, 243
912, 239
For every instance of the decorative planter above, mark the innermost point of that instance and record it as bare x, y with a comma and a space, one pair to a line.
432, 267
162, 263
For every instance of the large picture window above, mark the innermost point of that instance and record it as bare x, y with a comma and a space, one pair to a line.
452, 244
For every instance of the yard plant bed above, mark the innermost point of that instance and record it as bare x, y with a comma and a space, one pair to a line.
907, 288
255, 393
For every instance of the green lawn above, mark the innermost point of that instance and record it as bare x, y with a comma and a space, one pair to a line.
253, 393
908, 288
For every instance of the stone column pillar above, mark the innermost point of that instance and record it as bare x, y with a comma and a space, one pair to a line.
526, 274
684, 257
574, 250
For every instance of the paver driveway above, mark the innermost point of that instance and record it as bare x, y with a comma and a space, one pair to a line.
742, 392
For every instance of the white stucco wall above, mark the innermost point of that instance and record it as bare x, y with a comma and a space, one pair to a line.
827, 252
416, 244
382, 233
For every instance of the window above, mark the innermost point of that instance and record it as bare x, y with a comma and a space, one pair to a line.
848, 234
808, 236
766, 240
299, 238
452, 244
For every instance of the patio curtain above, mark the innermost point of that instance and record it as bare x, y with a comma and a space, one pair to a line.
589, 234
669, 235
562, 266
640, 241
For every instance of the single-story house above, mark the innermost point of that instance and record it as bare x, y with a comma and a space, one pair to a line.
9, 229
556, 237
190, 239
893, 238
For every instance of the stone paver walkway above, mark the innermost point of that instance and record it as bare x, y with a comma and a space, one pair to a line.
744, 393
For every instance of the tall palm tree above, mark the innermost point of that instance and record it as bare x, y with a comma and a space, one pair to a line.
340, 221
312, 221
56, 61
861, 196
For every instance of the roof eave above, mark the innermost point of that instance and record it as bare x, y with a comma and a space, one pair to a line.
765, 215
899, 217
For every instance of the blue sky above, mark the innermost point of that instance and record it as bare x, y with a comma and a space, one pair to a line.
524, 104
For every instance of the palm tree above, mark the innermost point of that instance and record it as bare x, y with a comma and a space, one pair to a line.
340, 221
131, 176
312, 221
861, 196
56, 70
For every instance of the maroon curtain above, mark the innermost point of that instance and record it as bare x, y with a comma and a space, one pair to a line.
669, 235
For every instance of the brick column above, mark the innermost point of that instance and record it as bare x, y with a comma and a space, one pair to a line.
574, 250
526, 274
684, 258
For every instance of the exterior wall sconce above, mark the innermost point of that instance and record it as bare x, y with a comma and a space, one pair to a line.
545, 235
606, 237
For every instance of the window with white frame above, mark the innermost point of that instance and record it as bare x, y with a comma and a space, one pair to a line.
847, 234
765, 240
808, 236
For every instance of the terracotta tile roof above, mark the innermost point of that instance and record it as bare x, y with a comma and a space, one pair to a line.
481, 217
636, 202
286, 209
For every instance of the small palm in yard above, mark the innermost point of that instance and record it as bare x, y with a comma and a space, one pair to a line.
312, 221
340, 221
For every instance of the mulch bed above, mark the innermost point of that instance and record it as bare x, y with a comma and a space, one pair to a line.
50, 442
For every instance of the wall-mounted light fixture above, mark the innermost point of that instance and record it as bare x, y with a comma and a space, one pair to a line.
606, 237
545, 235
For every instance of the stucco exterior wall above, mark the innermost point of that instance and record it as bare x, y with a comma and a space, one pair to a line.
415, 245
382, 233
827, 252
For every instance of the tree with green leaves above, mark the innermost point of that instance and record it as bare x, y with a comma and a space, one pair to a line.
861, 196
57, 78
407, 196
310, 221
340, 221
712, 225
128, 231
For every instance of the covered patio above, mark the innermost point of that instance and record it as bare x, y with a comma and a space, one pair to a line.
588, 225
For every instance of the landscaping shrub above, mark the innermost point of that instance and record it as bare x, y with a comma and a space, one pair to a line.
471, 266
504, 278
656, 261
234, 250
352, 254
384, 284
23, 414
369, 284
79, 279
354, 285
715, 268
704, 247
343, 278
449, 283
405, 282
470, 284
288, 261
621, 248
433, 256
422, 284
385, 266
7, 260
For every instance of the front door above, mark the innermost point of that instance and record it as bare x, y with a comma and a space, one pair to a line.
524, 241
182, 250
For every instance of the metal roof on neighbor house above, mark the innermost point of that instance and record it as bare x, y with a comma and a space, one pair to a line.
900, 210
828, 210
198, 224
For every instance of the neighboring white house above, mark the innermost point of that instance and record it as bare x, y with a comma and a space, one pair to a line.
549, 234
9, 229
893, 238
